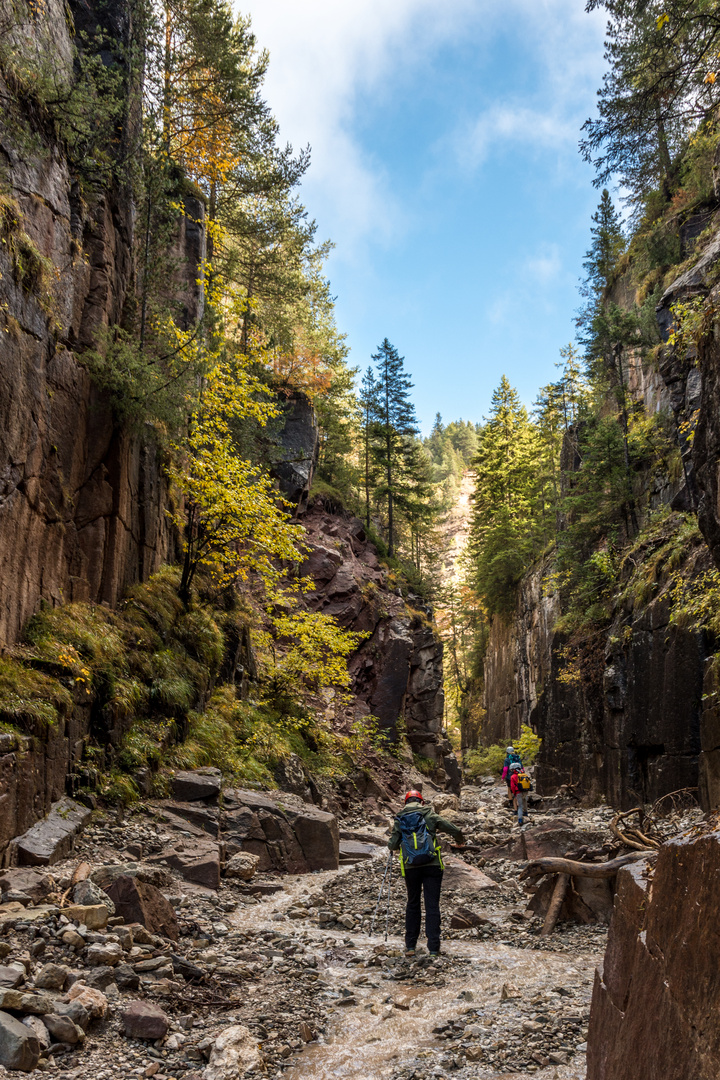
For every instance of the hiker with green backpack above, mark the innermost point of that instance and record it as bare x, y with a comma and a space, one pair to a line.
520, 785
414, 838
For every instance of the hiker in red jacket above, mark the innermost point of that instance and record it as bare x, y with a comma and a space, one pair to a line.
519, 787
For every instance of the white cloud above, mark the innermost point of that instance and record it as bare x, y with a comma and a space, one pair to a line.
324, 55
511, 124
331, 59
545, 266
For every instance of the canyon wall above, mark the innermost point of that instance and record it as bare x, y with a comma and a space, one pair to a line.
82, 499
397, 672
622, 717
628, 714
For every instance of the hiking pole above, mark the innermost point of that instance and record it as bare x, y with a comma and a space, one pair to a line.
382, 886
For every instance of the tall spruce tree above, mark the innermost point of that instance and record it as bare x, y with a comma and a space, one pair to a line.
396, 422
369, 409
503, 532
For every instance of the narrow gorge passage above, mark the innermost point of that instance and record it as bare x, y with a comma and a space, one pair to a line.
320, 500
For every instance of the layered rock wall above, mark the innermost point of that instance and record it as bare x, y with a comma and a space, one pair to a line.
34, 770
82, 500
657, 994
619, 716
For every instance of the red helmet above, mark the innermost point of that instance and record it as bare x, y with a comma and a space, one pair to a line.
414, 795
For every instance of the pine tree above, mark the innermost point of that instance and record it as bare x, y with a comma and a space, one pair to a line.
606, 247
660, 84
416, 501
369, 408
396, 421
504, 532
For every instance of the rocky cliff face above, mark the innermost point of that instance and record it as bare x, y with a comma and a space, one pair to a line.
631, 717
621, 715
656, 997
397, 672
82, 501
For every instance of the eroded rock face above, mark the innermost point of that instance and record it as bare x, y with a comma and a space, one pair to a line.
82, 501
656, 998
297, 451
397, 672
626, 725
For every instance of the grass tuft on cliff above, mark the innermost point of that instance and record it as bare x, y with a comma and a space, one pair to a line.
31, 701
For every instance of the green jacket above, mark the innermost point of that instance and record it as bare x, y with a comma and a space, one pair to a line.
433, 823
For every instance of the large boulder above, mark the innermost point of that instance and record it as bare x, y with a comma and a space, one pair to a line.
87, 892
145, 1020
84, 997
235, 1053
19, 1046
202, 818
94, 916
318, 835
63, 1029
657, 995
463, 878
139, 902
321, 564
284, 832
32, 883
194, 860
243, 865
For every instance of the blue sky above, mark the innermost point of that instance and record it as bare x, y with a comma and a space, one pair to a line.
445, 168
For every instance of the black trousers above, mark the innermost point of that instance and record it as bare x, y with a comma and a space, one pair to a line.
425, 880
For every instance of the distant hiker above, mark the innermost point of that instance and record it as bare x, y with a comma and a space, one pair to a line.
520, 784
421, 865
511, 757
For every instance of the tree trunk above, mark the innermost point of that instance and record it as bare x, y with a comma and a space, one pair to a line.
367, 468
558, 897
569, 867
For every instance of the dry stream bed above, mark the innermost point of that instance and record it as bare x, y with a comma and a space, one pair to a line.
316, 995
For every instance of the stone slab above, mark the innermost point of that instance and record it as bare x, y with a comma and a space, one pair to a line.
50, 840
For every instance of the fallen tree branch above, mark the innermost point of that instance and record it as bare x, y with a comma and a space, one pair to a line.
626, 840
556, 902
676, 797
553, 865
633, 836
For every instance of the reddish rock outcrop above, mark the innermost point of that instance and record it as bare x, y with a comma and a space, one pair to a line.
139, 902
656, 998
397, 672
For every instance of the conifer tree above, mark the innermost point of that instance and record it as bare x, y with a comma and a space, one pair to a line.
369, 407
503, 533
396, 422
661, 82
